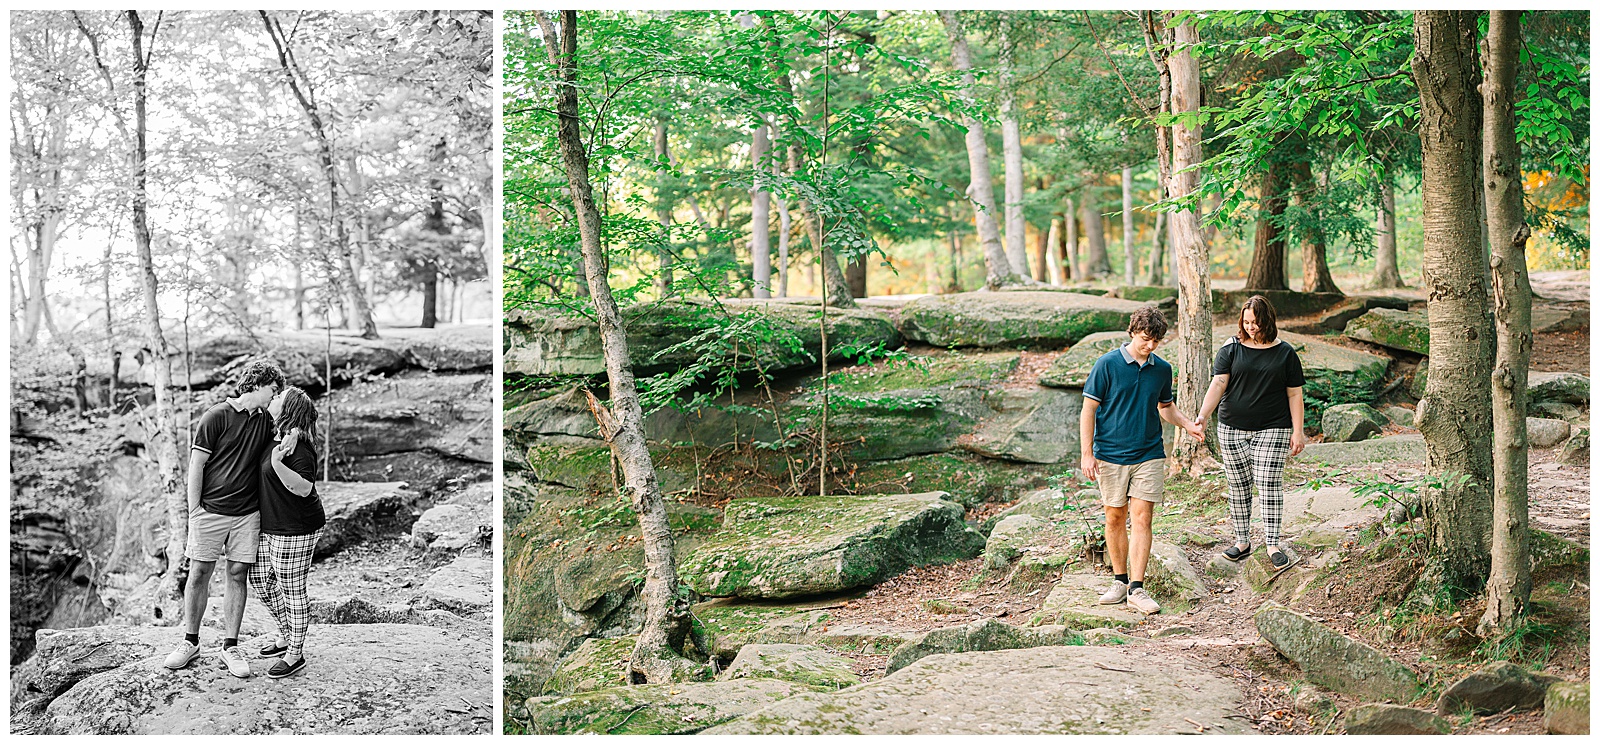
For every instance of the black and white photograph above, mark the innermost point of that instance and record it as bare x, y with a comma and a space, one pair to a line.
252, 311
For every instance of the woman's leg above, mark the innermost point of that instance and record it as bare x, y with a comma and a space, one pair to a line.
264, 581
291, 560
1236, 464
1268, 453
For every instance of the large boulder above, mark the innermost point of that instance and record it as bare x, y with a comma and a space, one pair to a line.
62, 657
1388, 719
1496, 687
1563, 387
781, 335
1373, 450
1404, 330
1351, 423
1286, 303
1547, 433
984, 635
461, 522
1566, 709
1050, 690
1339, 316
462, 587
658, 709
1032, 425
1576, 450
306, 356
1008, 539
1071, 370
447, 414
1335, 661
550, 411
595, 664
365, 679
1040, 319
361, 511
780, 547
805, 664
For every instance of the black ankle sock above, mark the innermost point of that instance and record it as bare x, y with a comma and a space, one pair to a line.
1123, 578
230, 642
192, 639
1136, 584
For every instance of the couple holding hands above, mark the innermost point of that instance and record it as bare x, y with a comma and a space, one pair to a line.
1256, 381
253, 501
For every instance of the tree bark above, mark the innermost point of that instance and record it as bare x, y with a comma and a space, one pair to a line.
1387, 273
980, 188
1041, 255
1130, 263
1266, 266
1054, 252
1097, 262
1011, 145
1314, 273
435, 224
1158, 242
346, 264
1072, 265
761, 219
1454, 414
1192, 259
1510, 580
663, 211
656, 657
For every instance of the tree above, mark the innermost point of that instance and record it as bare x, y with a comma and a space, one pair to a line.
657, 657
1267, 270
1455, 411
1011, 147
980, 188
1387, 272
1192, 259
1509, 582
1130, 260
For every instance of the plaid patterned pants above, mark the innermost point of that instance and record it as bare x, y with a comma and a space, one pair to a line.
279, 579
1256, 457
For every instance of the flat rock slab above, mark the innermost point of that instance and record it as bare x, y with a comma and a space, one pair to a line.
782, 547
360, 679
805, 664
986, 635
448, 414
595, 664
730, 624
1335, 661
462, 587
304, 355
1404, 330
1075, 602
661, 709
993, 319
1052, 690
358, 511
1562, 387
448, 529
1373, 450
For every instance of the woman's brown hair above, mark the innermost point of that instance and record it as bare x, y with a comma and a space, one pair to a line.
1266, 319
297, 411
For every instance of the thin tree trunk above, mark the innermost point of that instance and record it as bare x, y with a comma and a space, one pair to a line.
837, 290
1266, 266
760, 219
1158, 242
1097, 263
663, 212
1158, 41
1387, 273
1455, 413
785, 225
1130, 264
954, 285
358, 299
1041, 256
1011, 146
1510, 580
434, 223
1054, 252
1192, 259
656, 656
111, 334
164, 440
980, 188
1073, 267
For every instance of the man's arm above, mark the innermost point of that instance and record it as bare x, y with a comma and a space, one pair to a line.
1170, 414
197, 475
1091, 469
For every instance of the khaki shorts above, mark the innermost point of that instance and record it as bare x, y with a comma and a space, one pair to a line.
1141, 481
213, 536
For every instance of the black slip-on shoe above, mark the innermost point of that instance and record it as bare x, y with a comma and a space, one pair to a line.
272, 649
282, 669
1234, 553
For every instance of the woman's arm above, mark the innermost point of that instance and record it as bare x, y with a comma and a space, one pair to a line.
1297, 414
1219, 386
299, 485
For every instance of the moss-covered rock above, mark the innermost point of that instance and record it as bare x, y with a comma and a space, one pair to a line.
1388, 719
1008, 539
1566, 709
1495, 687
805, 664
1144, 293
986, 635
1039, 319
579, 463
1335, 661
1372, 450
1071, 370
659, 709
1396, 329
1563, 387
782, 335
1551, 553
597, 663
1286, 303
970, 480
1031, 424
923, 372
1576, 450
1075, 603
782, 547
1351, 423
729, 625
1172, 580
893, 424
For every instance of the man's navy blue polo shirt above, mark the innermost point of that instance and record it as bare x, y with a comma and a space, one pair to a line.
1127, 427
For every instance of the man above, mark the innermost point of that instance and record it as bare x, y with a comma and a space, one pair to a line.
224, 517
1128, 394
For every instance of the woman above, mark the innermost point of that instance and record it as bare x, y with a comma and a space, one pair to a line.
291, 521
1257, 379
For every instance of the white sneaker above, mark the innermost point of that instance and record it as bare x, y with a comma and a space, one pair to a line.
182, 656
1117, 594
1141, 601
235, 662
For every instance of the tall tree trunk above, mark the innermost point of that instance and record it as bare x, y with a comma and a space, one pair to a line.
346, 264
663, 212
785, 225
165, 439
1130, 264
1097, 263
1158, 40
1387, 273
1314, 273
1192, 259
111, 331
1072, 265
855, 275
1454, 414
434, 223
656, 656
1054, 252
761, 219
1266, 266
1510, 578
836, 288
1041, 256
1158, 242
980, 188
1011, 146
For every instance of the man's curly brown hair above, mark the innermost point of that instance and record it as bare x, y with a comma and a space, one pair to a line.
257, 374
1149, 322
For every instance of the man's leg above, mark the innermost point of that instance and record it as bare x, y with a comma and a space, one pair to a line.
196, 593
1139, 546
238, 590
1117, 539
